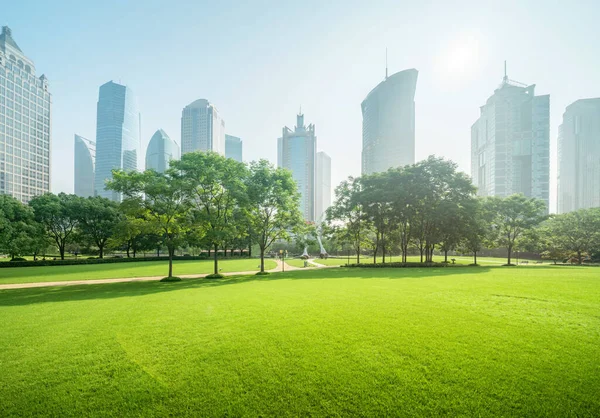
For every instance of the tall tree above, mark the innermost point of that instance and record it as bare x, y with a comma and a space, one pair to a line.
215, 187
514, 216
18, 229
58, 214
273, 205
576, 233
98, 220
160, 199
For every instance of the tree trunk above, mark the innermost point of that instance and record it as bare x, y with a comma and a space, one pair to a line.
61, 250
128, 251
171, 251
209, 252
101, 250
262, 260
509, 253
158, 252
475, 257
445, 256
134, 251
216, 261
249, 250
579, 257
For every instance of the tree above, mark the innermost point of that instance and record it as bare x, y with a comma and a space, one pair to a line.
58, 214
214, 186
98, 219
160, 199
273, 208
514, 216
18, 230
377, 205
576, 233
476, 229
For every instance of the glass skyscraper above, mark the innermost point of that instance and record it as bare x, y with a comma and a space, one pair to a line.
233, 147
25, 140
85, 160
296, 151
117, 135
579, 156
161, 150
388, 128
510, 143
323, 189
202, 128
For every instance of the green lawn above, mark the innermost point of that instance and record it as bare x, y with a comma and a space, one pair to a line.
296, 262
466, 260
118, 270
486, 341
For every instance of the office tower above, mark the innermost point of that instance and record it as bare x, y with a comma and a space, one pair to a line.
323, 189
202, 128
579, 156
510, 143
389, 123
161, 150
297, 152
25, 140
85, 160
233, 147
117, 135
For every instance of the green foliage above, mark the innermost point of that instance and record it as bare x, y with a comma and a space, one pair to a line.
93, 260
98, 220
18, 259
18, 229
170, 279
215, 276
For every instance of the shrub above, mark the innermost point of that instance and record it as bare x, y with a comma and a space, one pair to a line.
215, 276
18, 259
170, 279
263, 273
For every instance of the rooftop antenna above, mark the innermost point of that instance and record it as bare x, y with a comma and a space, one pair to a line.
386, 64
300, 112
505, 79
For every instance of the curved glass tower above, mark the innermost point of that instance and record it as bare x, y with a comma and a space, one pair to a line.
117, 135
389, 123
161, 150
85, 156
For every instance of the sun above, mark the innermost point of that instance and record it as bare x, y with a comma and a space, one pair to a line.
460, 57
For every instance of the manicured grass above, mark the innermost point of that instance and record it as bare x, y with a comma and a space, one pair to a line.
486, 341
296, 262
466, 260
119, 270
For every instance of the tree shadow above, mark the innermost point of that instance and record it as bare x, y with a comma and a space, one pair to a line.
28, 296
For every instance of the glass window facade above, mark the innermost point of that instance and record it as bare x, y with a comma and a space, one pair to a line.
233, 147
161, 150
85, 157
202, 128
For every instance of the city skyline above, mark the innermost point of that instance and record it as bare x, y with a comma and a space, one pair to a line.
160, 151
84, 166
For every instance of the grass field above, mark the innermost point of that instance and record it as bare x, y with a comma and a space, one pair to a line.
118, 270
486, 341
466, 260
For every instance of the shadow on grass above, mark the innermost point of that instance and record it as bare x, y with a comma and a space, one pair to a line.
26, 296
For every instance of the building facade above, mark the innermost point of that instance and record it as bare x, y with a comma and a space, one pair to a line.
85, 161
161, 150
117, 135
510, 143
233, 147
388, 128
25, 124
323, 189
579, 156
296, 151
202, 128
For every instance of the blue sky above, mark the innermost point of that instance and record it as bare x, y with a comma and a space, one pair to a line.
258, 61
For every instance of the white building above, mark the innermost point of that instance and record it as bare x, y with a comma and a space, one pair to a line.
296, 151
85, 161
25, 140
202, 128
233, 147
323, 189
161, 150
389, 123
579, 156
510, 143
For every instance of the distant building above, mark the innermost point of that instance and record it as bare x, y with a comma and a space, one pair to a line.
117, 135
25, 120
202, 128
233, 147
579, 156
323, 189
161, 150
388, 127
85, 160
510, 143
297, 152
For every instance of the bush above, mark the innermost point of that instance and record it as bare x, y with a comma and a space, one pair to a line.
92, 260
18, 259
170, 279
215, 276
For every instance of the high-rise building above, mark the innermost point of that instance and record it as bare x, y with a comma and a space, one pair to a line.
579, 156
25, 140
117, 135
85, 160
510, 143
202, 128
233, 147
296, 152
161, 150
323, 189
388, 126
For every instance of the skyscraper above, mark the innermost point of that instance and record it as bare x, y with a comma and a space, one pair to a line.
579, 156
85, 160
117, 135
25, 140
323, 189
161, 150
297, 152
389, 123
510, 143
233, 147
202, 128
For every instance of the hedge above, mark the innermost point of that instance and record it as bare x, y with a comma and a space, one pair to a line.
71, 262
